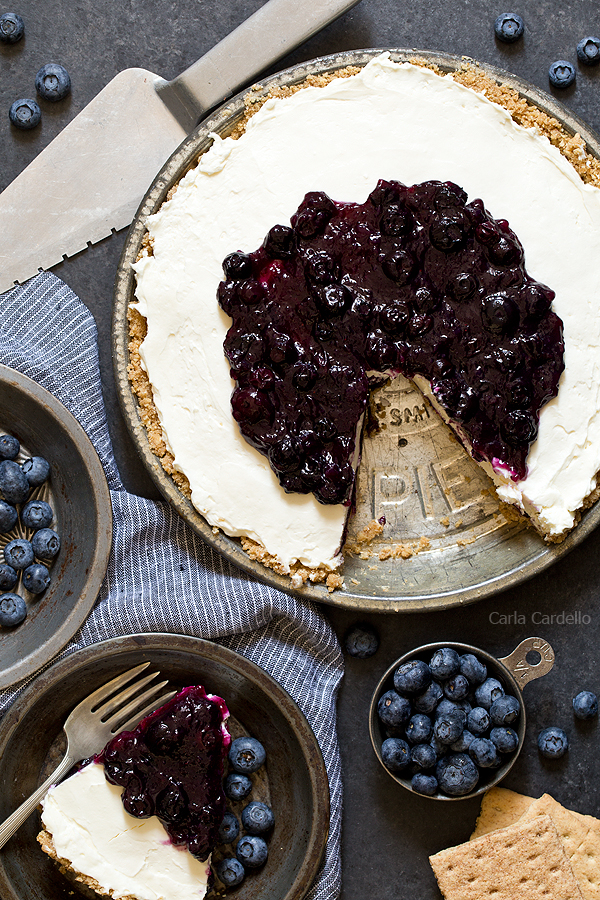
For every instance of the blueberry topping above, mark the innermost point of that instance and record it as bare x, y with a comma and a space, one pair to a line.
499, 314
509, 27
8, 577
424, 784
45, 543
25, 114
412, 677
229, 828
561, 73
53, 82
36, 578
457, 774
257, 818
505, 739
585, 705
395, 754
280, 242
230, 871
9, 446
588, 51
8, 516
552, 742
18, 553
37, 514
12, 28
313, 215
13, 482
12, 610
361, 641
37, 470
246, 755
237, 266
237, 786
252, 851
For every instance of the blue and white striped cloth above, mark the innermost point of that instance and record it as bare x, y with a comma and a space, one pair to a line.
47, 334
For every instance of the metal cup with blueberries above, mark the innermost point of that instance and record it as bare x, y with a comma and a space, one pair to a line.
447, 720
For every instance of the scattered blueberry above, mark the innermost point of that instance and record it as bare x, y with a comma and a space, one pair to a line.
508, 27
487, 692
505, 710
457, 774
36, 578
18, 553
8, 516
25, 114
444, 663
483, 752
13, 481
230, 871
505, 739
412, 677
424, 784
12, 28
37, 514
561, 73
9, 446
229, 828
237, 786
393, 710
8, 577
585, 705
395, 754
252, 851
473, 669
257, 817
419, 729
45, 543
37, 470
552, 742
478, 720
12, 610
246, 754
423, 757
53, 82
361, 641
588, 51
428, 700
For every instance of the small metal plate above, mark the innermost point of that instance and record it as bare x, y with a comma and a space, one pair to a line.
413, 472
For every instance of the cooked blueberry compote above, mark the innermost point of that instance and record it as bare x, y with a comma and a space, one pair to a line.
415, 281
171, 766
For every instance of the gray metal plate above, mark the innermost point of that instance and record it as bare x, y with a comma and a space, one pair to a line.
413, 472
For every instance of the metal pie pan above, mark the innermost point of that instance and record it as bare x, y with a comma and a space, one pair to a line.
473, 552
82, 517
295, 769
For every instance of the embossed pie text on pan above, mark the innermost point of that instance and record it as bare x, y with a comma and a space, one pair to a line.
412, 471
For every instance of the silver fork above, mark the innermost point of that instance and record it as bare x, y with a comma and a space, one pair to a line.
91, 725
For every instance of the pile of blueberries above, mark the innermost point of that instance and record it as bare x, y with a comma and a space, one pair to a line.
25, 558
446, 723
246, 756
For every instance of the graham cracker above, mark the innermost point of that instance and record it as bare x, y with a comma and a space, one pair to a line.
579, 840
526, 860
499, 808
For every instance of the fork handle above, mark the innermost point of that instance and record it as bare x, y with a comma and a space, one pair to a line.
14, 821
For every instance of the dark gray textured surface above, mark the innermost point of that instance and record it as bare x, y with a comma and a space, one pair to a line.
388, 833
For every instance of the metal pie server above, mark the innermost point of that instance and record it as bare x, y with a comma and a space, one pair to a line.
91, 178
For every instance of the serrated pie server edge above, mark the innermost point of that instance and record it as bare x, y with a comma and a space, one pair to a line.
92, 177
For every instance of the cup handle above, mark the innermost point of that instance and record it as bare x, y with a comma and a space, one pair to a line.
524, 671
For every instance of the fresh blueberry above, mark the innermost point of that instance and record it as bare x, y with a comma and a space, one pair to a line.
508, 27
236, 786
486, 693
484, 753
585, 705
9, 446
419, 729
552, 742
45, 543
229, 828
36, 578
424, 784
449, 706
36, 514
588, 51
8, 577
505, 710
561, 73
473, 669
36, 469
448, 727
25, 114
257, 817
8, 516
457, 688
457, 774
13, 481
444, 663
361, 641
428, 700
423, 757
12, 28
395, 754
53, 82
393, 710
412, 677
252, 851
18, 553
230, 871
505, 739
438, 748
463, 743
478, 720
246, 754
12, 610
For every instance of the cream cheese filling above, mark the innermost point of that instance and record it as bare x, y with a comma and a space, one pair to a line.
391, 121
128, 857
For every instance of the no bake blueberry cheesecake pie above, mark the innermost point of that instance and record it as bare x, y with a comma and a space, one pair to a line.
394, 220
